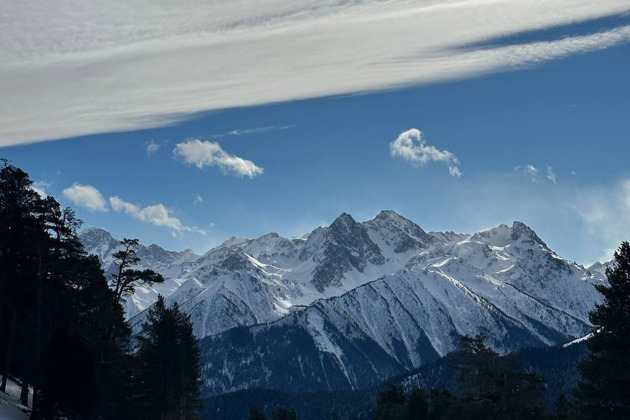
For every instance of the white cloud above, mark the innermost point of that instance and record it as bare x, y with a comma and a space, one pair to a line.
198, 199
530, 170
411, 145
156, 214
605, 216
83, 57
207, 153
551, 175
454, 171
85, 196
152, 147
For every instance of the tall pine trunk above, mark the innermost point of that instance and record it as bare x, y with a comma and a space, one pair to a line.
7, 354
24, 394
35, 412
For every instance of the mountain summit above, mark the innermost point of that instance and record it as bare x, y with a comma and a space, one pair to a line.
356, 302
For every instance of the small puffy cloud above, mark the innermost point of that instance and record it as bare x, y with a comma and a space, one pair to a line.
156, 214
207, 153
551, 175
152, 147
198, 200
86, 196
411, 146
528, 169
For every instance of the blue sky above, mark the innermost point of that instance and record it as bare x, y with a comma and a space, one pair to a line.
545, 142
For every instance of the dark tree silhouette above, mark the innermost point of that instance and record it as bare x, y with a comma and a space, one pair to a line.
127, 279
61, 330
604, 392
168, 359
255, 414
492, 389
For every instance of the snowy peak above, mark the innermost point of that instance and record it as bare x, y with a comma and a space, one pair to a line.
504, 235
233, 241
95, 234
391, 230
97, 241
600, 268
522, 232
340, 248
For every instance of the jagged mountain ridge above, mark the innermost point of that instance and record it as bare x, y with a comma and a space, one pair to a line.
504, 282
244, 282
354, 303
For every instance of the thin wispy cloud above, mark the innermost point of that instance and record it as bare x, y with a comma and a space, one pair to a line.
551, 175
412, 146
157, 214
152, 147
605, 215
155, 55
535, 174
245, 131
198, 200
207, 153
529, 170
85, 195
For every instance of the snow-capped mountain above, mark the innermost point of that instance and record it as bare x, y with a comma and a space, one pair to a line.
353, 303
247, 282
504, 282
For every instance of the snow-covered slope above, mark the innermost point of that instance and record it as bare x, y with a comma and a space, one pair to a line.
10, 405
504, 282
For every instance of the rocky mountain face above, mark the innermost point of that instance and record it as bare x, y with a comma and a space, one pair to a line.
354, 303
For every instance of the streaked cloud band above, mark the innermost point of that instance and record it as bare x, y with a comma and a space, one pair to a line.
133, 65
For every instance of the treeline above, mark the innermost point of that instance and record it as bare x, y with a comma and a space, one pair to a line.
62, 327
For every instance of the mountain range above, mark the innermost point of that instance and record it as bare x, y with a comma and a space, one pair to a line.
354, 303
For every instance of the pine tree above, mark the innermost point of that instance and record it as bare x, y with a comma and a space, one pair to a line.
21, 228
168, 358
126, 280
604, 392
392, 404
492, 389
418, 405
282, 414
562, 407
478, 372
255, 414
